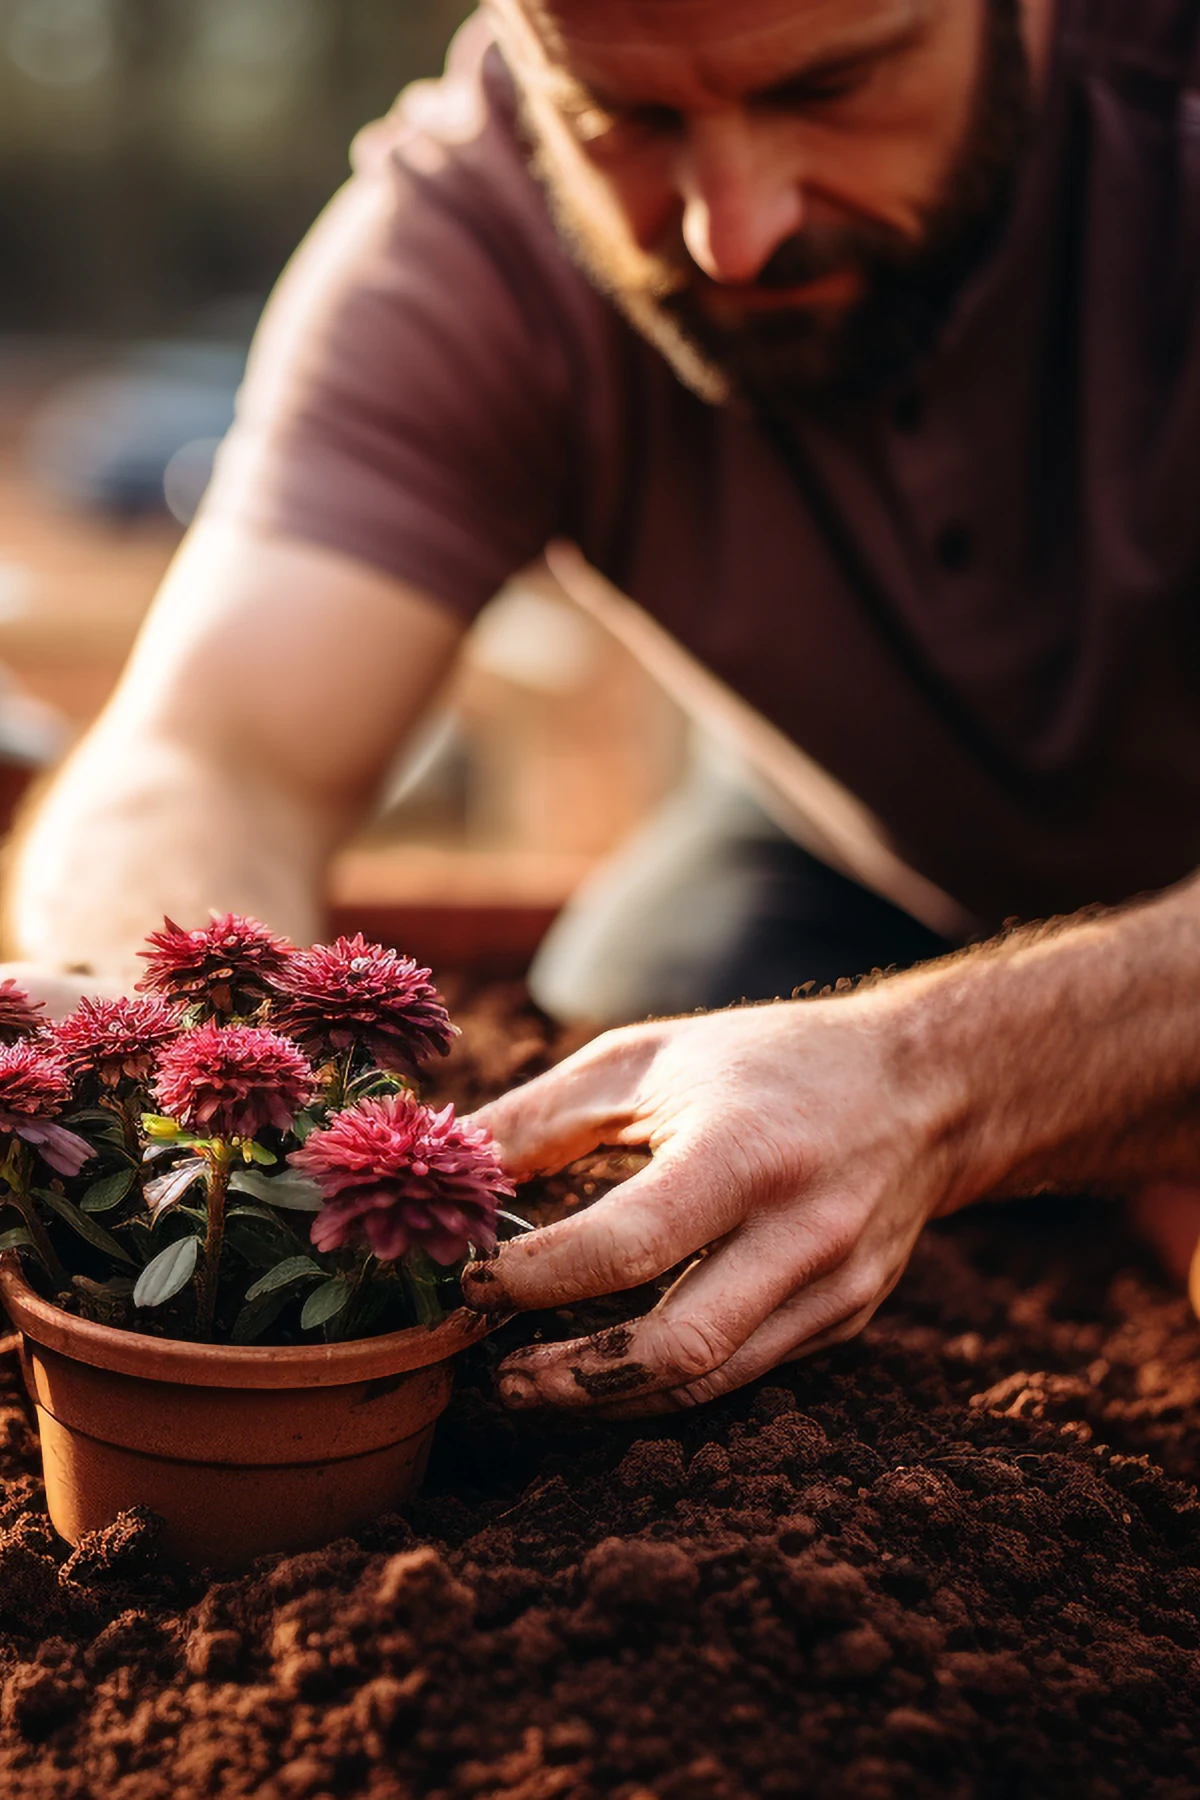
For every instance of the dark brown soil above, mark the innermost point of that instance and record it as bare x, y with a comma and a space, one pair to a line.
959, 1557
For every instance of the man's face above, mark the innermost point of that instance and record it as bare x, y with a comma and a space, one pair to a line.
783, 194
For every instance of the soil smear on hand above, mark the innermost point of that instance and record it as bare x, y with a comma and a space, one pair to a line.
958, 1557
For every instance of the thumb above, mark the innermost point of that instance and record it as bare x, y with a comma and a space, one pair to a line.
589, 1100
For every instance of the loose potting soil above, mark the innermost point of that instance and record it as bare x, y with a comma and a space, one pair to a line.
959, 1557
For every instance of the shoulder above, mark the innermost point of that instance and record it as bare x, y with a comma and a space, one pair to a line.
453, 148
467, 113
1155, 40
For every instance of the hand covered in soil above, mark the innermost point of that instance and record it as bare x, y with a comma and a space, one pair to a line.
798, 1151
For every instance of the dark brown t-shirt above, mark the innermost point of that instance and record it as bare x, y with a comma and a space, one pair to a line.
975, 602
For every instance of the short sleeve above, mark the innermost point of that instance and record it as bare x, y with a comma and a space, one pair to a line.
408, 398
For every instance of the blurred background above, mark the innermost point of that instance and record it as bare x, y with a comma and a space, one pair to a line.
159, 161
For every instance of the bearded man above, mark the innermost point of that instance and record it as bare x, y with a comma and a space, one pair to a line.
857, 342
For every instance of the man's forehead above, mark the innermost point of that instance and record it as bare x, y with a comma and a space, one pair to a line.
728, 46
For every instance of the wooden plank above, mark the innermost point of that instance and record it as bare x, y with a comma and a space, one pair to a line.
497, 941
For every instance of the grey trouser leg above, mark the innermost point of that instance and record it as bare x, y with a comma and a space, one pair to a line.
708, 904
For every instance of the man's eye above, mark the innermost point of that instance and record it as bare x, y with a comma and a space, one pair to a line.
822, 89
603, 126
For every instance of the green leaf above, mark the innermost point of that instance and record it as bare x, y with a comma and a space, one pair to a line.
291, 1191
303, 1125
252, 1213
325, 1302
259, 1236
420, 1277
86, 1228
258, 1153
258, 1316
102, 1118
170, 1271
288, 1273
16, 1239
177, 1222
279, 1226
108, 1192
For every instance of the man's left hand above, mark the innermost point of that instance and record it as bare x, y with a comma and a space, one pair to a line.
798, 1150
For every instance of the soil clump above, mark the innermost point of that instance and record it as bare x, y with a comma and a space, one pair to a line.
959, 1557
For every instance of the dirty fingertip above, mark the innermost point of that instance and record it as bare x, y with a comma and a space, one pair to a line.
483, 1289
519, 1390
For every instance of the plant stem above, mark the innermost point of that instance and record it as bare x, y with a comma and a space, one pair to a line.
422, 1290
214, 1238
129, 1113
339, 1087
15, 1173
349, 1313
27, 1208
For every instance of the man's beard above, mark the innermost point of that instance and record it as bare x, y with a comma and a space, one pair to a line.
822, 356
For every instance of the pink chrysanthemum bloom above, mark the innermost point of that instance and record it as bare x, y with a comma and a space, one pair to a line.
33, 1090
107, 1044
228, 965
352, 992
232, 1081
397, 1176
19, 1015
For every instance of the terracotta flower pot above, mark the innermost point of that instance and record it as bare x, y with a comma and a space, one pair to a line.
241, 1450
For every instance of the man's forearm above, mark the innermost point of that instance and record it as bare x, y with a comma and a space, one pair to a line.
134, 829
1069, 1054
265, 697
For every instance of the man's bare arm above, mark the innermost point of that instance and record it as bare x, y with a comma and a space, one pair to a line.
806, 1144
271, 685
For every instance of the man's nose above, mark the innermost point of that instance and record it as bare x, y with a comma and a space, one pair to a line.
739, 201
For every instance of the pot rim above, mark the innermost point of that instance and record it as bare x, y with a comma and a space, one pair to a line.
232, 1365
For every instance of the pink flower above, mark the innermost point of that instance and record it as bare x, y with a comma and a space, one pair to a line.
108, 1043
232, 1081
33, 1090
398, 1176
18, 1013
227, 966
351, 992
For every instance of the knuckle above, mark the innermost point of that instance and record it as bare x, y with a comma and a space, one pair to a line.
620, 1039
818, 1313
814, 1253
691, 1349
833, 1230
841, 1239
849, 1328
603, 1049
861, 1293
626, 1046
